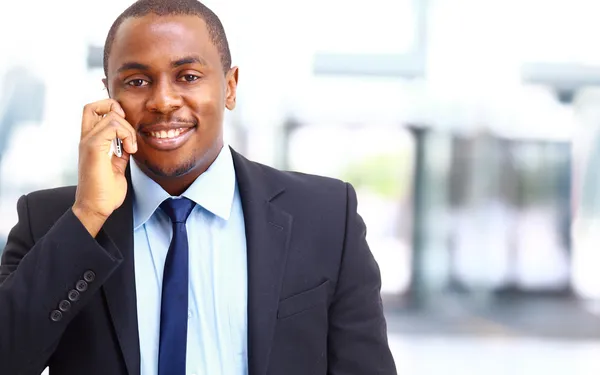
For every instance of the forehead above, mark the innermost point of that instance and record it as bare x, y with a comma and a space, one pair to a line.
155, 40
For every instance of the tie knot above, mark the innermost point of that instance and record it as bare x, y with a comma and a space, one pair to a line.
178, 209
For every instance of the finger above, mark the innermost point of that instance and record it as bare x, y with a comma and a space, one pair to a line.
111, 116
103, 133
120, 162
94, 112
110, 127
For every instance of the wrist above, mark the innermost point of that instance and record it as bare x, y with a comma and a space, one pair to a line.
91, 220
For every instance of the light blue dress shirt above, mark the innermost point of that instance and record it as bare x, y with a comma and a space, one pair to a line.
217, 326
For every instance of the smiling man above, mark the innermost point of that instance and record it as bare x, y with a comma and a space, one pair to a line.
182, 256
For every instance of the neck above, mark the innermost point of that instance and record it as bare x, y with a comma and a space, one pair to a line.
176, 186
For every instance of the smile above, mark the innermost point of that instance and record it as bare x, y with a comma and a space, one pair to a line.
167, 140
172, 133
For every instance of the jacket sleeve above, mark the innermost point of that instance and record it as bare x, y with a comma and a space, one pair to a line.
44, 284
357, 342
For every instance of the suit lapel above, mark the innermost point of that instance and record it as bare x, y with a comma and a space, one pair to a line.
119, 289
268, 231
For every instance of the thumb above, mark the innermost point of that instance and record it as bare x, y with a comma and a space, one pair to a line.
120, 163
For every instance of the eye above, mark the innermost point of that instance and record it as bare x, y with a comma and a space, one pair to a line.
189, 77
138, 82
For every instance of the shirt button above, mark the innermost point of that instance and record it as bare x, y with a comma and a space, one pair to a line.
190, 314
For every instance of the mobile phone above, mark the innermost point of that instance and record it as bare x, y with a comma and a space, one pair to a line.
117, 147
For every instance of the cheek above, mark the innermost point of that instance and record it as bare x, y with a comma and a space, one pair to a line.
132, 105
208, 103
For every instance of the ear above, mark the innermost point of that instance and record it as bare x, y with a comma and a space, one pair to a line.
105, 83
231, 80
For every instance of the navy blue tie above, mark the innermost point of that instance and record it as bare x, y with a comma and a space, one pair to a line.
174, 305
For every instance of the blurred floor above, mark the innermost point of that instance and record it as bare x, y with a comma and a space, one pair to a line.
494, 335
512, 315
442, 355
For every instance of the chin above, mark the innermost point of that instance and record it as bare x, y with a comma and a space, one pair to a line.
170, 171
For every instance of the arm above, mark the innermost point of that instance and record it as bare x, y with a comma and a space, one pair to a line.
36, 277
357, 329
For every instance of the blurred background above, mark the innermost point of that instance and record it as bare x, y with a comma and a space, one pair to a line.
468, 127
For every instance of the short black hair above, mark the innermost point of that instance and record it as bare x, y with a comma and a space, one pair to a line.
142, 8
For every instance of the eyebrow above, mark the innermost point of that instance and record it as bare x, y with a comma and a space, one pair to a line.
132, 66
175, 64
194, 59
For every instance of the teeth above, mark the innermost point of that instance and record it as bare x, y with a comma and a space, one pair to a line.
172, 133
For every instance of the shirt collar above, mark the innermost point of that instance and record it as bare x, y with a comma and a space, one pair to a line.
213, 189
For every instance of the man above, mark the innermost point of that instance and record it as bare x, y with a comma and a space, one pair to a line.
186, 258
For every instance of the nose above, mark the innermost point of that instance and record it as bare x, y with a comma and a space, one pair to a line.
164, 98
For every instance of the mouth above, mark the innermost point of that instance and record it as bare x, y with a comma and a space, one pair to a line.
167, 140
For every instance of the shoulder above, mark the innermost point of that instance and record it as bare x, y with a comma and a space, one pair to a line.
45, 207
52, 199
296, 184
305, 185
319, 199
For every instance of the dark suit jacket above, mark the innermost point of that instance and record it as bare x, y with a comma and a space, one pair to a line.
314, 303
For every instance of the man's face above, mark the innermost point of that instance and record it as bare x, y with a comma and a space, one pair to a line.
167, 75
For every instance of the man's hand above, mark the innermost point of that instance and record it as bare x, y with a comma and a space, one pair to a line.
102, 185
